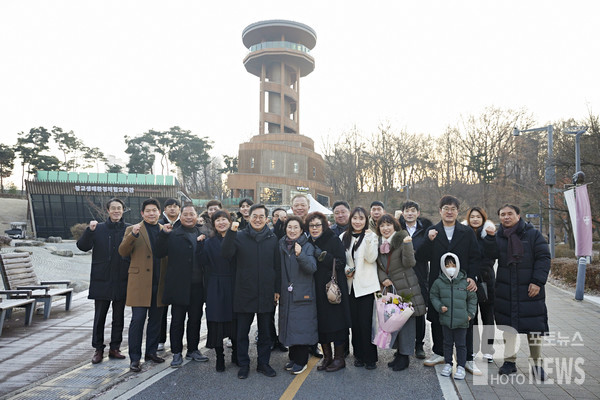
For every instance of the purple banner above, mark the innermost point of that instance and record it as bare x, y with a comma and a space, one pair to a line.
584, 222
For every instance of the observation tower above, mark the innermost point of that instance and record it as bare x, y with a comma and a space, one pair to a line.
279, 55
279, 162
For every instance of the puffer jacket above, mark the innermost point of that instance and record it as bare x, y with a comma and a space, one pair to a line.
298, 308
513, 306
397, 266
453, 294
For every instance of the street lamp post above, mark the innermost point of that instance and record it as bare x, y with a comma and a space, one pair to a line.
549, 176
577, 131
582, 262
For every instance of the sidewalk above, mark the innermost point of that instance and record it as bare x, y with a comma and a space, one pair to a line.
571, 354
51, 359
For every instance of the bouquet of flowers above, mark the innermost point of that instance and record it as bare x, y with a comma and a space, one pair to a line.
390, 313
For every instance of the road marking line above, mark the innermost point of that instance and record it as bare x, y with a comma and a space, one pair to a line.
294, 386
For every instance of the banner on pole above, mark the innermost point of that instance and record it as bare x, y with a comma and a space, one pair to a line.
580, 212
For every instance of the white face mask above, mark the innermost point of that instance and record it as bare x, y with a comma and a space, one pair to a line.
451, 271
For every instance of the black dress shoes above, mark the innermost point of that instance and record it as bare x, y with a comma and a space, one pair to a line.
314, 351
279, 346
243, 372
154, 358
135, 366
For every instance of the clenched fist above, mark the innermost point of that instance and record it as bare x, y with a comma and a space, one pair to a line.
135, 229
93, 225
234, 226
432, 234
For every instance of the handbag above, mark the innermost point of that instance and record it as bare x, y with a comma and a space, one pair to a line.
332, 289
482, 292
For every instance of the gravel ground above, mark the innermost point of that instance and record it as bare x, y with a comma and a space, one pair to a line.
49, 266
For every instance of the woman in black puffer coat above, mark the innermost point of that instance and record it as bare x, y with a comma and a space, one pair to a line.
485, 231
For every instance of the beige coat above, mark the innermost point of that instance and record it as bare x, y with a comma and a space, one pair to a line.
139, 284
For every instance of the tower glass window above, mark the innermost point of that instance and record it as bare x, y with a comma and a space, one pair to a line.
252, 162
296, 168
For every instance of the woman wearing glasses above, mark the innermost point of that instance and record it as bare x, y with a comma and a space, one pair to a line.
334, 319
297, 304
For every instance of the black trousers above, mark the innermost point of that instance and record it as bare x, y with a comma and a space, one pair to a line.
163, 326
420, 336
486, 310
118, 322
244, 321
437, 336
136, 330
361, 314
299, 354
194, 313
470, 339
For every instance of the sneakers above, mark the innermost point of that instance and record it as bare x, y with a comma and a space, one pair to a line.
460, 373
434, 360
161, 347
177, 360
298, 369
447, 370
289, 366
507, 368
488, 357
266, 370
196, 356
370, 365
472, 368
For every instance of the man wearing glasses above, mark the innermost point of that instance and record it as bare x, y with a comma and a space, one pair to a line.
257, 283
447, 236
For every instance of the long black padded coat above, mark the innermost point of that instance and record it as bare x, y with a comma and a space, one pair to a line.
108, 278
257, 268
333, 319
179, 250
513, 306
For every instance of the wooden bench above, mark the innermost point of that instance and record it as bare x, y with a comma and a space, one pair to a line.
6, 306
18, 274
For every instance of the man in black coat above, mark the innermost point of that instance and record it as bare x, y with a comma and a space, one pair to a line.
448, 236
108, 280
520, 303
257, 283
411, 221
170, 215
184, 286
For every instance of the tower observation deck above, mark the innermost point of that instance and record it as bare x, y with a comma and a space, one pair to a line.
279, 54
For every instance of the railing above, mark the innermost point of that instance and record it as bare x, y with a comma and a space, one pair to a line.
279, 45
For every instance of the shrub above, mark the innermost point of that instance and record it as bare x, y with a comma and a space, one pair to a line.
563, 251
565, 269
77, 230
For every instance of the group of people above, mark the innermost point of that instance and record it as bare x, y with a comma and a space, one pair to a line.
242, 268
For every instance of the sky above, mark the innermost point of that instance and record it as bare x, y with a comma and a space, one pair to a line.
106, 69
